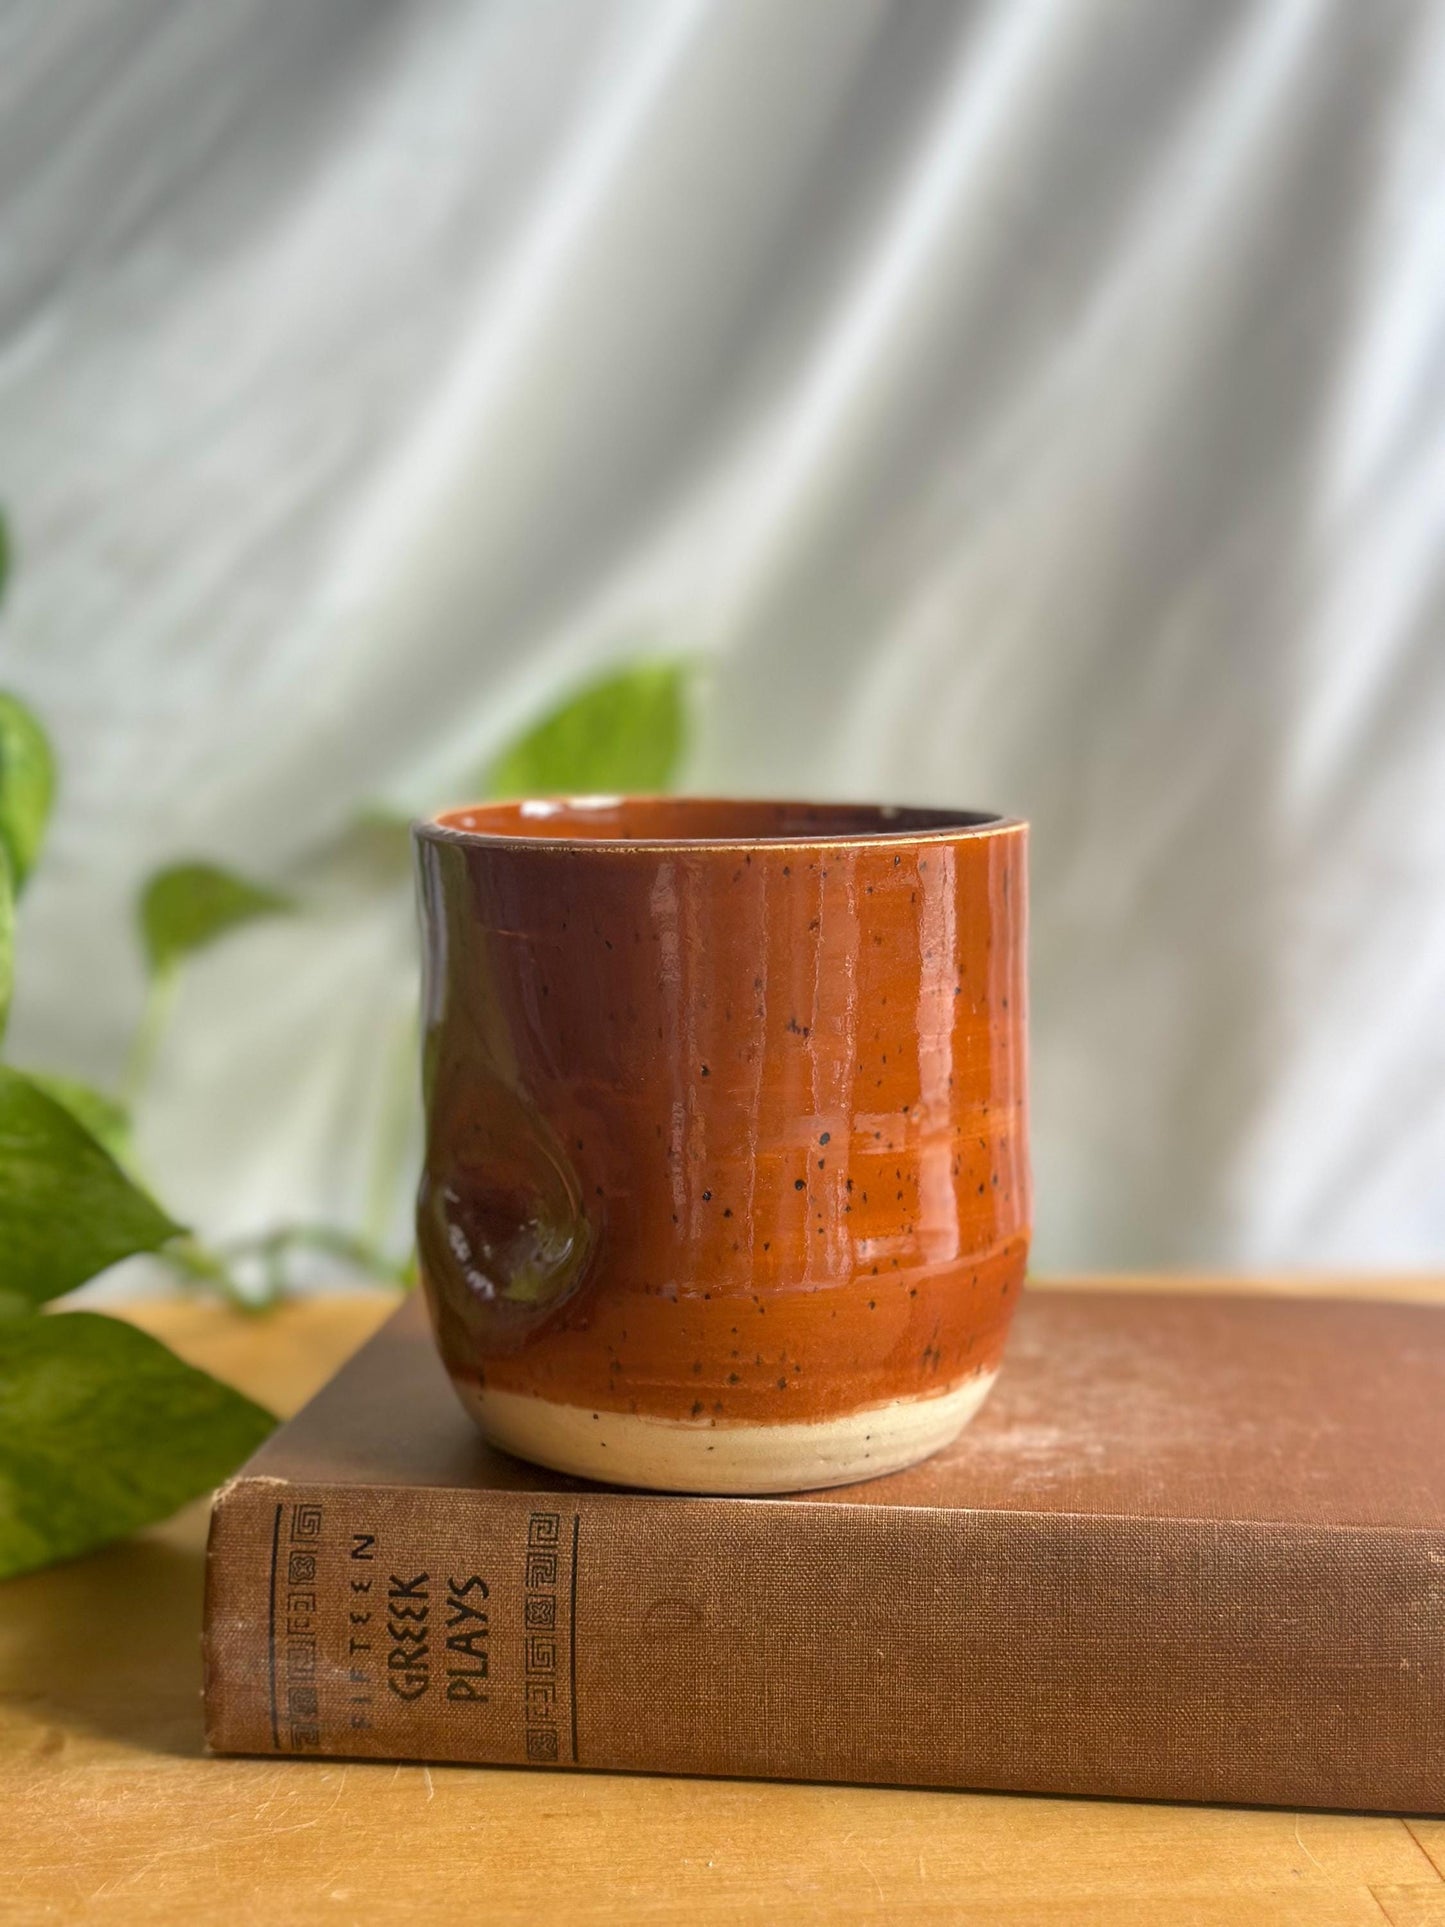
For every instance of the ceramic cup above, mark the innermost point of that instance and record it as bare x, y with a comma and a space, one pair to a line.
726, 1181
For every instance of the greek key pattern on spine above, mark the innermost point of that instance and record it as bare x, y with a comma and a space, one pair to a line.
539, 1635
298, 1710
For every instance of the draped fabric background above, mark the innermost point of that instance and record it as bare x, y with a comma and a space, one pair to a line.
1038, 405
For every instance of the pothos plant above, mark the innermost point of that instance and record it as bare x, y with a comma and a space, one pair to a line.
103, 1429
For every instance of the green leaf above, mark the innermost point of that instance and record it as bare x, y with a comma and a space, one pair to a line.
67, 1210
104, 1116
102, 1430
192, 904
625, 732
7, 939
27, 786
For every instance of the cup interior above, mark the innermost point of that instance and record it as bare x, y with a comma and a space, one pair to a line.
701, 820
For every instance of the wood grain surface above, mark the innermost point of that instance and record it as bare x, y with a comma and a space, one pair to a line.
110, 1810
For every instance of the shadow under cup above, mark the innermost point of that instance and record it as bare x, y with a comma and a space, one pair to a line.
726, 1181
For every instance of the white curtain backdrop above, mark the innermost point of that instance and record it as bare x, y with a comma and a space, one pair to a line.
1037, 405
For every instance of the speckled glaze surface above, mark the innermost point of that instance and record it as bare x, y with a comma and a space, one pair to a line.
726, 1130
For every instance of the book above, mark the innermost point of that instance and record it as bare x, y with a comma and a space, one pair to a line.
1193, 1548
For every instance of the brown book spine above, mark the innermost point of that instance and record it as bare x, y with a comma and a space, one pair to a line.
1164, 1659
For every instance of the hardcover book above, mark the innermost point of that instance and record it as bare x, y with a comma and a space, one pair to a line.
1193, 1548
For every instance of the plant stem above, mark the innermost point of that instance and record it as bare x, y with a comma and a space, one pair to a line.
362, 1253
214, 1268
198, 1266
160, 997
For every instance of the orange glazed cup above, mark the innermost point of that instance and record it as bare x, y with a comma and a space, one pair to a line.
726, 1184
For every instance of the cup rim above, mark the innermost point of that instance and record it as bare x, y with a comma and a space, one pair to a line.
945, 826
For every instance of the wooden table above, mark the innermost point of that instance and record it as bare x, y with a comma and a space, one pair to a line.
108, 1807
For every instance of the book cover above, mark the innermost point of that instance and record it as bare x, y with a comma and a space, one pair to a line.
1192, 1548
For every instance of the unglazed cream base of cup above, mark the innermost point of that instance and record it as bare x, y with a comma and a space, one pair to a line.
695, 1455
